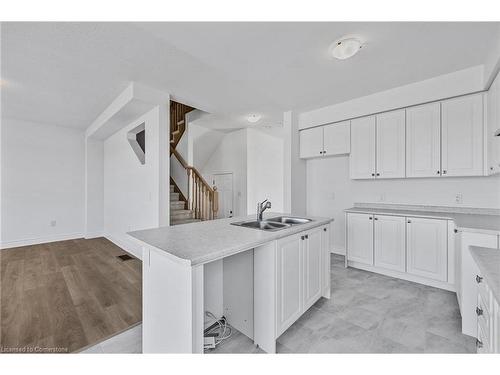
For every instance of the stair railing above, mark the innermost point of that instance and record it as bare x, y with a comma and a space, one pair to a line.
203, 200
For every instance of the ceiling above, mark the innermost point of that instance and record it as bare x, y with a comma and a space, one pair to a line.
68, 73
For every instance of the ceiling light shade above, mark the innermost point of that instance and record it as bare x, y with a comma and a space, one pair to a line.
253, 118
345, 48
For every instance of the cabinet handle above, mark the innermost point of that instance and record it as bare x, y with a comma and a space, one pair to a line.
324, 229
378, 174
373, 174
438, 172
302, 238
444, 171
479, 311
321, 152
375, 218
370, 218
307, 236
478, 279
409, 221
479, 344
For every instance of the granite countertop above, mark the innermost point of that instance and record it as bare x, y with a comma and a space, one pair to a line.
477, 222
488, 262
206, 241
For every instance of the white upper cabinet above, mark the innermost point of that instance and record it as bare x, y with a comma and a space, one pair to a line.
493, 127
390, 145
337, 138
390, 242
327, 140
426, 246
362, 157
423, 140
311, 142
462, 136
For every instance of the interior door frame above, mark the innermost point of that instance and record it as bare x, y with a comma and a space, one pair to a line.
232, 186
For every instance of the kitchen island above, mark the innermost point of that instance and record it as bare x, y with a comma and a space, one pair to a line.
261, 281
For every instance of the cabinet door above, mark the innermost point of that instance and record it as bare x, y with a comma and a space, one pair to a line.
311, 142
362, 158
462, 136
390, 145
390, 242
423, 140
493, 125
312, 267
426, 244
337, 138
468, 272
289, 282
360, 238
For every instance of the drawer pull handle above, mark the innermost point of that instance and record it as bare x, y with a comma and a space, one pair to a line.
479, 344
324, 229
478, 279
409, 221
307, 236
302, 238
370, 218
479, 311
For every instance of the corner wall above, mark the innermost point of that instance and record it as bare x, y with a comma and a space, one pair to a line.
42, 183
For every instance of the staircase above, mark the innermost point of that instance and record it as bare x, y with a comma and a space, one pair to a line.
178, 212
202, 200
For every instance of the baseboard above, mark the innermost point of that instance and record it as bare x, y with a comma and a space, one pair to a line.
338, 251
90, 235
403, 275
128, 245
39, 240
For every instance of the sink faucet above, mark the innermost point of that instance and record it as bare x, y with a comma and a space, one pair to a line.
261, 207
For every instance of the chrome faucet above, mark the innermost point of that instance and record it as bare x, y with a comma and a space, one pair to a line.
261, 207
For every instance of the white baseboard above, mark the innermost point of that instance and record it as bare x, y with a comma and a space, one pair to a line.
39, 240
90, 235
339, 251
126, 244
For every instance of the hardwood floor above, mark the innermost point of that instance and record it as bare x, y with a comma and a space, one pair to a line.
64, 296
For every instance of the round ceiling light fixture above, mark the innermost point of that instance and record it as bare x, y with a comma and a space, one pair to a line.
253, 118
345, 48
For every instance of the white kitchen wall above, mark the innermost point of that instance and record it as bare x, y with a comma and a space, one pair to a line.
231, 156
453, 84
94, 188
131, 190
265, 174
42, 183
330, 191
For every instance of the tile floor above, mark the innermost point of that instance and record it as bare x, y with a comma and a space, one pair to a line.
368, 313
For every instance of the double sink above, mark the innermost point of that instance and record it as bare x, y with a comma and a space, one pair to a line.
273, 224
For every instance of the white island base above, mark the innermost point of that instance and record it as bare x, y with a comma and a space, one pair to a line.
261, 291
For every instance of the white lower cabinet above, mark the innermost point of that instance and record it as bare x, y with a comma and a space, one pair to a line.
390, 242
360, 238
289, 281
301, 261
426, 244
410, 248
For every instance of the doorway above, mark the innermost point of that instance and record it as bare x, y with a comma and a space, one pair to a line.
224, 184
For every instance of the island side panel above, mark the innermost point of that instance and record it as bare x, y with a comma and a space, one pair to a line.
172, 304
265, 297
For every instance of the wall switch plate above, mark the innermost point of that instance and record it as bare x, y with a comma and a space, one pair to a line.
459, 198
382, 197
53, 223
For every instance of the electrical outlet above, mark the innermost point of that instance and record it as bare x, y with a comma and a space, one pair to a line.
459, 198
53, 223
382, 197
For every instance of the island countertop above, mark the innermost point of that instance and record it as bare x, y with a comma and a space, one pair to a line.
207, 241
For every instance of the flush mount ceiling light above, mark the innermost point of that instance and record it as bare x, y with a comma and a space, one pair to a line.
345, 48
253, 118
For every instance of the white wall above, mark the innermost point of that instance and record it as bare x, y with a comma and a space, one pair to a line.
330, 191
265, 169
444, 86
132, 190
231, 156
94, 188
42, 181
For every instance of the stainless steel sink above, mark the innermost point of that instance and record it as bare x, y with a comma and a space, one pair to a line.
266, 225
289, 220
